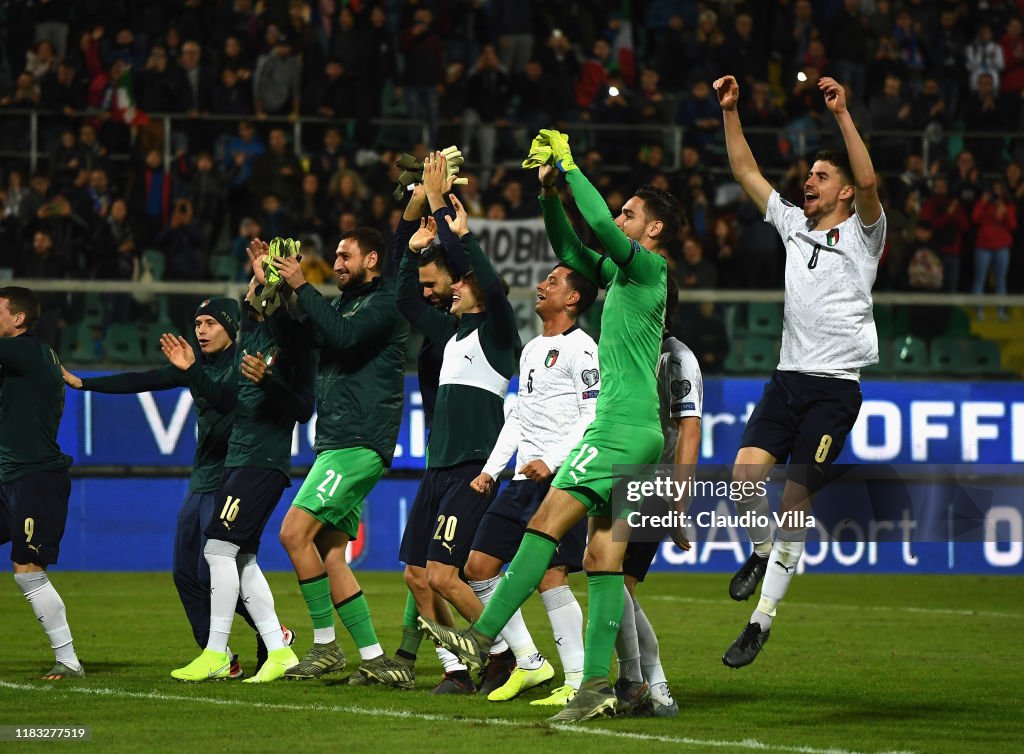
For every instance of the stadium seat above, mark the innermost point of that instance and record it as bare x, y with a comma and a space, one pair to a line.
157, 262
92, 309
223, 267
122, 344
959, 325
883, 322
884, 365
909, 356
764, 319
982, 358
948, 355
151, 339
78, 344
760, 355
734, 361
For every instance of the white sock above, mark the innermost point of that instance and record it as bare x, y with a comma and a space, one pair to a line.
650, 657
449, 661
566, 618
49, 610
324, 635
789, 546
515, 633
627, 646
370, 651
760, 536
222, 558
259, 600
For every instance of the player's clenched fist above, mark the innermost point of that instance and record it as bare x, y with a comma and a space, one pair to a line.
482, 484
728, 92
835, 95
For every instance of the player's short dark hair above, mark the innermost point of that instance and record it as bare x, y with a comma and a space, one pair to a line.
840, 160
583, 286
22, 301
369, 239
671, 301
471, 278
661, 205
435, 255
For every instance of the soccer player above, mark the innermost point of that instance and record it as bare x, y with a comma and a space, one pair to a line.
34, 480
212, 379
275, 391
481, 346
680, 397
558, 389
626, 429
811, 402
361, 339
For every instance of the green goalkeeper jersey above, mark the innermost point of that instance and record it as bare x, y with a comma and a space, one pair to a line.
634, 309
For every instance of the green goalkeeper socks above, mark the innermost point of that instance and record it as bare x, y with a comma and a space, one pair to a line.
355, 614
317, 593
523, 575
603, 619
411, 634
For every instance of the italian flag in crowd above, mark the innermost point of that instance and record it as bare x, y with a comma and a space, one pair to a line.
622, 45
124, 102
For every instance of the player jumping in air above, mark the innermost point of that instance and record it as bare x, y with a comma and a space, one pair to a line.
626, 429
812, 400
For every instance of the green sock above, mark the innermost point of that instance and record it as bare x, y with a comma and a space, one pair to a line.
603, 618
411, 634
355, 614
521, 578
317, 593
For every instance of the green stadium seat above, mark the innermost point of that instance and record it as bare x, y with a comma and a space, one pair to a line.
983, 358
884, 365
123, 344
947, 355
959, 325
92, 309
909, 356
760, 355
157, 262
883, 322
151, 339
734, 361
78, 344
764, 319
223, 267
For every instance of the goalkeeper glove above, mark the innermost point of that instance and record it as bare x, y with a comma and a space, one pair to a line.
270, 298
540, 152
454, 160
559, 144
412, 172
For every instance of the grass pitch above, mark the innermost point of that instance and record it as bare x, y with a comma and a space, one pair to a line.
855, 664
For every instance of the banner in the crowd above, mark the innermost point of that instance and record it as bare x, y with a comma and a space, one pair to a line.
519, 249
127, 524
899, 423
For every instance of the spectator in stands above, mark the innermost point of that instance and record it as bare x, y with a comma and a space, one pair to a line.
805, 108
513, 28
487, 90
234, 58
986, 111
984, 55
61, 90
947, 218
560, 61
248, 229
65, 160
695, 271
182, 243
907, 35
10, 238
41, 60
312, 213
207, 189
375, 62
277, 170
100, 194
723, 251
890, 111
593, 77
277, 81
156, 86
116, 253
331, 95
149, 197
540, 103
275, 218
92, 154
759, 112
651, 100
966, 184
1012, 43
848, 42
886, 62
324, 162
706, 336
701, 116
675, 49
995, 216
902, 219
25, 94
742, 52
231, 95
347, 193
344, 47
423, 79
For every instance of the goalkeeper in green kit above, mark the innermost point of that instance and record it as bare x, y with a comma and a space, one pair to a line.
626, 429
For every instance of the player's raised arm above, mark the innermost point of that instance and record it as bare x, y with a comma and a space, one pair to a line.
741, 159
566, 244
869, 208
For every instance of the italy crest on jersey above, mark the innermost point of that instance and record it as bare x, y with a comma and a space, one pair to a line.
551, 358
832, 237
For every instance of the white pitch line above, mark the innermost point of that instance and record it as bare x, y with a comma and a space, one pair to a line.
750, 744
834, 606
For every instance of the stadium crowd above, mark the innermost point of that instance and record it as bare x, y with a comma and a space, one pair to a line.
485, 74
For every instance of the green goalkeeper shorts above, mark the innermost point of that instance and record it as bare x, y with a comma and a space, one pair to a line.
337, 486
587, 471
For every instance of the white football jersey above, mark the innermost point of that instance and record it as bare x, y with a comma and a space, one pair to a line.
680, 391
559, 381
829, 328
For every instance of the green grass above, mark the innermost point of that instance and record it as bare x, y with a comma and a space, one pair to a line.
855, 664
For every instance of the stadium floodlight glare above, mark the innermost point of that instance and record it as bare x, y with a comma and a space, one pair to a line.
613, 91
801, 76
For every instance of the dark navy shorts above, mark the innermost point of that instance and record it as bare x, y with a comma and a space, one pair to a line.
804, 419
444, 517
243, 505
502, 528
33, 513
640, 554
